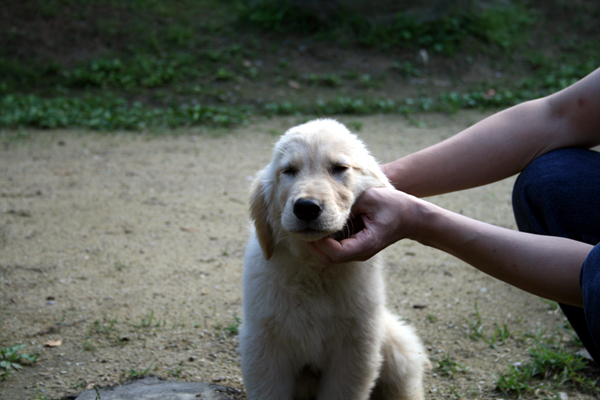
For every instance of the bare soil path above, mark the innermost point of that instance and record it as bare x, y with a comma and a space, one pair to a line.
122, 255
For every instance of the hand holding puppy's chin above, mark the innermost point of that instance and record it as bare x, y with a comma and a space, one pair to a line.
354, 224
324, 249
315, 249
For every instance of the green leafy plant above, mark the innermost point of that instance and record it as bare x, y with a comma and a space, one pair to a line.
11, 359
224, 75
110, 113
406, 69
185, 63
279, 17
330, 80
502, 26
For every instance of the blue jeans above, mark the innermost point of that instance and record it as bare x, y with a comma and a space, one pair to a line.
558, 194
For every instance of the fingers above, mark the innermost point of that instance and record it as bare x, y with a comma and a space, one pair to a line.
374, 210
329, 251
365, 202
321, 255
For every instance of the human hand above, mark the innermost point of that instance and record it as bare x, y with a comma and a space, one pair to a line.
387, 216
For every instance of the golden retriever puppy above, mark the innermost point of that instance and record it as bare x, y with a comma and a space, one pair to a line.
312, 331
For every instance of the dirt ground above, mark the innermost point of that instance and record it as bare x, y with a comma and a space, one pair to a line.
128, 250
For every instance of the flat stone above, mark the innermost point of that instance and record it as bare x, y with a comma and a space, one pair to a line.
152, 388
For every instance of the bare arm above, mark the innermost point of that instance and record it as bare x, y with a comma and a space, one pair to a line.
543, 265
546, 266
504, 143
493, 149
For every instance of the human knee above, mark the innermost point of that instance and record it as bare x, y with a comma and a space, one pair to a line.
548, 176
590, 287
557, 194
547, 186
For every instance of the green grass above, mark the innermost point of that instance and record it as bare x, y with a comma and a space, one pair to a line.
175, 372
150, 320
230, 329
41, 396
88, 345
500, 26
117, 113
134, 373
158, 65
109, 113
447, 366
475, 329
550, 368
103, 333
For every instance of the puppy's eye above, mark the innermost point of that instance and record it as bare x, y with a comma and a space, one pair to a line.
289, 171
339, 168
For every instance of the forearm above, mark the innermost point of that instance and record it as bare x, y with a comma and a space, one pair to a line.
543, 265
504, 143
493, 149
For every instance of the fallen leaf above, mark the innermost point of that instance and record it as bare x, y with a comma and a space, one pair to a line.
53, 343
294, 85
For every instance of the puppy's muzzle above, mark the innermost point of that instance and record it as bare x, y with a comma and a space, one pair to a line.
307, 209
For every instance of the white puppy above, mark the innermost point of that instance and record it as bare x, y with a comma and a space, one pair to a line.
312, 331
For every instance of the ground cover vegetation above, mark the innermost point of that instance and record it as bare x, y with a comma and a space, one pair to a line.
151, 64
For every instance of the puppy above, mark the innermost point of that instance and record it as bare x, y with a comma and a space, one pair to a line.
312, 331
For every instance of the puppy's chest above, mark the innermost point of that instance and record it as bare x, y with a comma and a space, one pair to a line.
328, 296
314, 283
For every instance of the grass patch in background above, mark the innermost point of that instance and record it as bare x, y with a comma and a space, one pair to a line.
500, 26
116, 113
553, 365
550, 369
154, 64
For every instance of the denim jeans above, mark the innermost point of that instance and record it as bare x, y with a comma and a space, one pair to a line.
558, 194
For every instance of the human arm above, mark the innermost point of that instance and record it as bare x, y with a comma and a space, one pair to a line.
504, 143
495, 148
543, 265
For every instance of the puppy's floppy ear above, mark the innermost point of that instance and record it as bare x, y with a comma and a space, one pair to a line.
372, 177
259, 213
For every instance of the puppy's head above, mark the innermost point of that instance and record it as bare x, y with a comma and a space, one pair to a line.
318, 171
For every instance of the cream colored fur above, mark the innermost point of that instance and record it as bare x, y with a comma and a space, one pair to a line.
312, 331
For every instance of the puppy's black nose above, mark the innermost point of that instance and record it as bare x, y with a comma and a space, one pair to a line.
307, 209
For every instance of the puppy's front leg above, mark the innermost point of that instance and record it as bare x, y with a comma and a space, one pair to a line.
350, 375
267, 374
